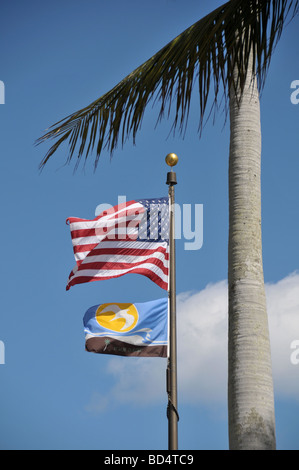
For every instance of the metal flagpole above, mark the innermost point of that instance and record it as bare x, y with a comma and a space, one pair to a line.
172, 412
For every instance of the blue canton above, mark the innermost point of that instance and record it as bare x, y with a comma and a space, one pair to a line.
154, 225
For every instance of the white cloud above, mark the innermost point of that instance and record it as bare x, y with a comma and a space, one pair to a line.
283, 311
202, 349
138, 380
97, 404
202, 344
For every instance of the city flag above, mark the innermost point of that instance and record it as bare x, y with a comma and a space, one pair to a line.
126, 329
132, 237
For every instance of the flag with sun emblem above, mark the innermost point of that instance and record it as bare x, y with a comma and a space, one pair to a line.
126, 329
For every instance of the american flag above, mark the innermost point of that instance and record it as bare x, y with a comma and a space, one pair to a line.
132, 237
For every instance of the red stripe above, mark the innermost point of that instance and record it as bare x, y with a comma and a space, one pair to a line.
87, 232
153, 276
147, 273
129, 212
110, 237
110, 211
82, 248
129, 251
118, 265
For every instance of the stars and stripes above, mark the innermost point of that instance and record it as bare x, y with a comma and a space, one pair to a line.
132, 237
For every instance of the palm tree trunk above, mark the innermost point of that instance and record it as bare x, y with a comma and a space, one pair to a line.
250, 385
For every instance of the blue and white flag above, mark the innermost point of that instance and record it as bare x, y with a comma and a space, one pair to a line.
127, 329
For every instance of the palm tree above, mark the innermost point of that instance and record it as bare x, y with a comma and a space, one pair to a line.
227, 53
250, 387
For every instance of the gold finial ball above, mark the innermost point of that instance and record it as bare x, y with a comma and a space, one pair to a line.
171, 159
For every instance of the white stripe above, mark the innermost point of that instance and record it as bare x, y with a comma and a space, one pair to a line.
81, 255
86, 240
89, 335
125, 258
83, 225
128, 339
111, 235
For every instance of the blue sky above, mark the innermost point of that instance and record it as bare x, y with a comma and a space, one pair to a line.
56, 58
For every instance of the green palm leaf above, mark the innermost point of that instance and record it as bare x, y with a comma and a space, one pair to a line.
205, 54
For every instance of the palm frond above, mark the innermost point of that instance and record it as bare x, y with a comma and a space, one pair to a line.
207, 53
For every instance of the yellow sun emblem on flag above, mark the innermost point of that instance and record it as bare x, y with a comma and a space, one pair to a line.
120, 318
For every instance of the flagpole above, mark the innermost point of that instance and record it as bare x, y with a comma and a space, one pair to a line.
172, 412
